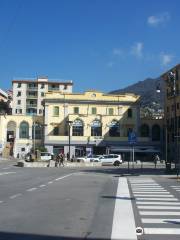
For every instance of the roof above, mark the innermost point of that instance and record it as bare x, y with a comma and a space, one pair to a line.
170, 70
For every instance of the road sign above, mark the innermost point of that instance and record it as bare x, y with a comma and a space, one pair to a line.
132, 138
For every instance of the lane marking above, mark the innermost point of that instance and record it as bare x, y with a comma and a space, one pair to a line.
42, 185
68, 175
171, 231
158, 203
159, 213
123, 227
165, 199
160, 220
50, 182
159, 207
1, 201
6, 173
15, 196
31, 189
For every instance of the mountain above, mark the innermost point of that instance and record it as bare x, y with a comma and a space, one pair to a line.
147, 90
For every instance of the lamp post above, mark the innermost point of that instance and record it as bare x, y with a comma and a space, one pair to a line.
69, 134
172, 84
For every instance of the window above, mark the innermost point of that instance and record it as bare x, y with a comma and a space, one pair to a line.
111, 111
156, 132
40, 111
129, 113
42, 85
56, 131
18, 111
56, 111
77, 128
114, 129
94, 111
19, 85
65, 87
38, 131
177, 105
96, 128
76, 110
144, 130
18, 94
19, 102
42, 94
24, 130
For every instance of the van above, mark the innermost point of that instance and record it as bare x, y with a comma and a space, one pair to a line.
45, 156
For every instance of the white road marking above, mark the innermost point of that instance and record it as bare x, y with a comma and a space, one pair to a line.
171, 231
145, 184
6, 173
159, 207
31, 189
15, 196
159, 213
123, 227
1, 201
150, 192
6, 168
160, 220
158, 203
154, 195
161, 199
43, 185
50, 182
57, 179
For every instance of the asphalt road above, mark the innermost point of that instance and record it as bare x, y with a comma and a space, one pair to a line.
87, 203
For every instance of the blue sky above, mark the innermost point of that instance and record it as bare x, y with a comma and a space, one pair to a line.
99, 44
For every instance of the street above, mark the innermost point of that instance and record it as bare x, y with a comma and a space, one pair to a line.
87, 203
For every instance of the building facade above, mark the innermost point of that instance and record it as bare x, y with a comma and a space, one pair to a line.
28, 95
92, 122
172, 113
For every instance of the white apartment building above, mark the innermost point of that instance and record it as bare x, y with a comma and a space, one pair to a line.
28, 95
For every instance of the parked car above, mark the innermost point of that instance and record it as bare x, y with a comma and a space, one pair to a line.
45, 156
111, 159
93, 158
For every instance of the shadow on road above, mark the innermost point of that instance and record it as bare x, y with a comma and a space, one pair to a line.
27, 236
121, 198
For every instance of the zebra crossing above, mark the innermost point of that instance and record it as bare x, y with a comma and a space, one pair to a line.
159, 210
176, 187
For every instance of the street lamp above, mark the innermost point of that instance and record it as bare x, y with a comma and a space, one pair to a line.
69, 133
172, 84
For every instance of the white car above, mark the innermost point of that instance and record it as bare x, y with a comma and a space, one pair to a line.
93, 158
45, 156
111, 159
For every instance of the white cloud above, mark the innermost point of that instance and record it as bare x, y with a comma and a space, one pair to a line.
117, 51
154, 21
166, 59
137, 50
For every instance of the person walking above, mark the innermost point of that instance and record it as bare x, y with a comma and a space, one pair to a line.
61, 157
57, 161
156, 159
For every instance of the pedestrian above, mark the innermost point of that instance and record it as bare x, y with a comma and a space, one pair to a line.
61, 157
156, 159
57, 161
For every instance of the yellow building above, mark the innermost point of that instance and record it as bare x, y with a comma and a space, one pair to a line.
97, 121
19, 134
172, 113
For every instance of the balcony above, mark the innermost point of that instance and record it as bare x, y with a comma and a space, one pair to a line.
32, 96
28, 105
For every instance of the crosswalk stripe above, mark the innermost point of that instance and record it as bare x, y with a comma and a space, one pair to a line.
159, 207
159, 213
149, 192
156, 199
171, 231
158, 203
154, 195
160, 220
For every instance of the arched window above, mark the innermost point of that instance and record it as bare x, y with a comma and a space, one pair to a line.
38, 131
96, 128
114, 129
77, 128
24, 130
144, 130
156, 132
